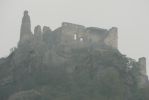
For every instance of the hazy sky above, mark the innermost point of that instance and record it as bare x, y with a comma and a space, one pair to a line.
130, 16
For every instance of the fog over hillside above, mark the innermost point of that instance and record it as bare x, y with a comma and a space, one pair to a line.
130, 16
74, 49
72, 62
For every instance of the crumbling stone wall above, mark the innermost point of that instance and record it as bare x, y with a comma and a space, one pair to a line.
72, 35
72, 32
38, 33
93, 35
112, 38
142, 78
97, 35
142, 65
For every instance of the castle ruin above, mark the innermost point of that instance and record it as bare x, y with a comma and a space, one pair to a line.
71, 35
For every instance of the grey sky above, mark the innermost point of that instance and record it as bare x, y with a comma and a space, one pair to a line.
130, 16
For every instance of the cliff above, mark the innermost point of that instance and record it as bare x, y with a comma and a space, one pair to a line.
73, 62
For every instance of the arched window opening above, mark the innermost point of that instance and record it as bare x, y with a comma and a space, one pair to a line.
81, 39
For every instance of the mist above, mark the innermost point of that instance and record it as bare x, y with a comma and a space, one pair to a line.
130, 16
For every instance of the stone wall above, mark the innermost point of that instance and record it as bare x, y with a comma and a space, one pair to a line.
38, 33
97, 35
142, 65
73, 33
70, 34
142, 78
112, 38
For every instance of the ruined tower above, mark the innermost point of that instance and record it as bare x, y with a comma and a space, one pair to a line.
25, 31
38, 33
142, 65
112, 38
142, 78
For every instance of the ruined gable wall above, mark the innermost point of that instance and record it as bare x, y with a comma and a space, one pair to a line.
69, 31
96, 35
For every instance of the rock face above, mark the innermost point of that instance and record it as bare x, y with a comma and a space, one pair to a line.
73, 62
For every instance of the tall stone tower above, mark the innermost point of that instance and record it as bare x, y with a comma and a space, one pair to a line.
25, 31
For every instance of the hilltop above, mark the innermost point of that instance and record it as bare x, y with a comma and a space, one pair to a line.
73, 62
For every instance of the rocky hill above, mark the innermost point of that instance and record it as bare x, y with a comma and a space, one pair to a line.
70, 63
